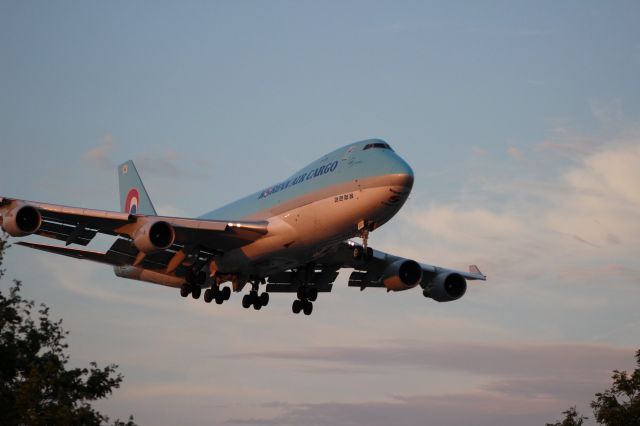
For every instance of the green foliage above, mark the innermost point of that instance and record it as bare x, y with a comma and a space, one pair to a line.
620, 405
617, 406
36, 385
572, 418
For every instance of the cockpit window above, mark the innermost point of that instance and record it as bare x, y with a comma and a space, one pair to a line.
377, 145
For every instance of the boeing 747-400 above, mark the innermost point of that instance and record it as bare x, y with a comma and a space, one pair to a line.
292, 237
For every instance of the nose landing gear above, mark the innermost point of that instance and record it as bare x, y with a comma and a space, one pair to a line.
364, 252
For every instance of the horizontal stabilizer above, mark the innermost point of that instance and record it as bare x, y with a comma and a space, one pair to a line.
94, 256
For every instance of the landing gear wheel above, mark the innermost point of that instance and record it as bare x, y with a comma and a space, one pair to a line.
246, 301
312, 294
297, 306
226, 293
208, 295
256, 304
264, 298
308, 308
184, 290
219, 298
357, 252
368, 254
195, 292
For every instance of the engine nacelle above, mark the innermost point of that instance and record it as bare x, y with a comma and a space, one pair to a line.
446, 287
22, 220
154, 236
402, 275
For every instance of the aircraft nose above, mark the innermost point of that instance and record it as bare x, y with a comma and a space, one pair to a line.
403, 173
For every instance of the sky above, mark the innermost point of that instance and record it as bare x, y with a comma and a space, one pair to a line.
521, 121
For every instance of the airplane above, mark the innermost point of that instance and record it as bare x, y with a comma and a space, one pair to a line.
291, 237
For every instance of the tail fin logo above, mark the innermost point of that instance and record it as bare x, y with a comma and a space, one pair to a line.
131, 203
125, 169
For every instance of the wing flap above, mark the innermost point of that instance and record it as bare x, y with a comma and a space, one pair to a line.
94, 256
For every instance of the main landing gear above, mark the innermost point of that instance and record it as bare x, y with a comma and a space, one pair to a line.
193, 286
255, 299
258, 301
217, 293
190, 289
306, 295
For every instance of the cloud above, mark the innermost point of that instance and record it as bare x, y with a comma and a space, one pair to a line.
99, 156
564, 142
476, 408
584, 212
165, 162
496, 359
515, 153
606, 217
478, 151
529, 383
459, 224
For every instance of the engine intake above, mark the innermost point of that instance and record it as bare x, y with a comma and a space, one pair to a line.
446, 287
22, 220
402, 275
154, 236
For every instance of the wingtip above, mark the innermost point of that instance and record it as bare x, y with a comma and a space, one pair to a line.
475, 270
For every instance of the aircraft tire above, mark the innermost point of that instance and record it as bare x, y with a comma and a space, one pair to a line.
308, 308
256, 304
208, 295
246, 301
184, 290
226, 293
264, 298
195, 292
219, 299
297, 306
300, 293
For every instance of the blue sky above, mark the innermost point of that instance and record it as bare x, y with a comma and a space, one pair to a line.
521, 121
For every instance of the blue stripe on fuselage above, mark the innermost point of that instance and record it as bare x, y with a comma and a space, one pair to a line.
343, 165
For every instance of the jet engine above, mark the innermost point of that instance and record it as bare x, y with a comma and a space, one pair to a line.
154, 236
446, 287
402, 275
22, 220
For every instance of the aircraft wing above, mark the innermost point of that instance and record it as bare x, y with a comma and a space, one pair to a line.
75, 225
397, 273
343, 255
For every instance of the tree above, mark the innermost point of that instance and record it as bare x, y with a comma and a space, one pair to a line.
572, 418
617, 406
36, 385
620, 405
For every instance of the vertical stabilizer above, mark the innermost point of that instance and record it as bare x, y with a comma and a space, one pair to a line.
133, 196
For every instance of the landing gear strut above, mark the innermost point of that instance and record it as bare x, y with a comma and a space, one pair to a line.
364, 252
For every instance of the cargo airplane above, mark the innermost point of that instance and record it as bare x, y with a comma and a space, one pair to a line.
292, 237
